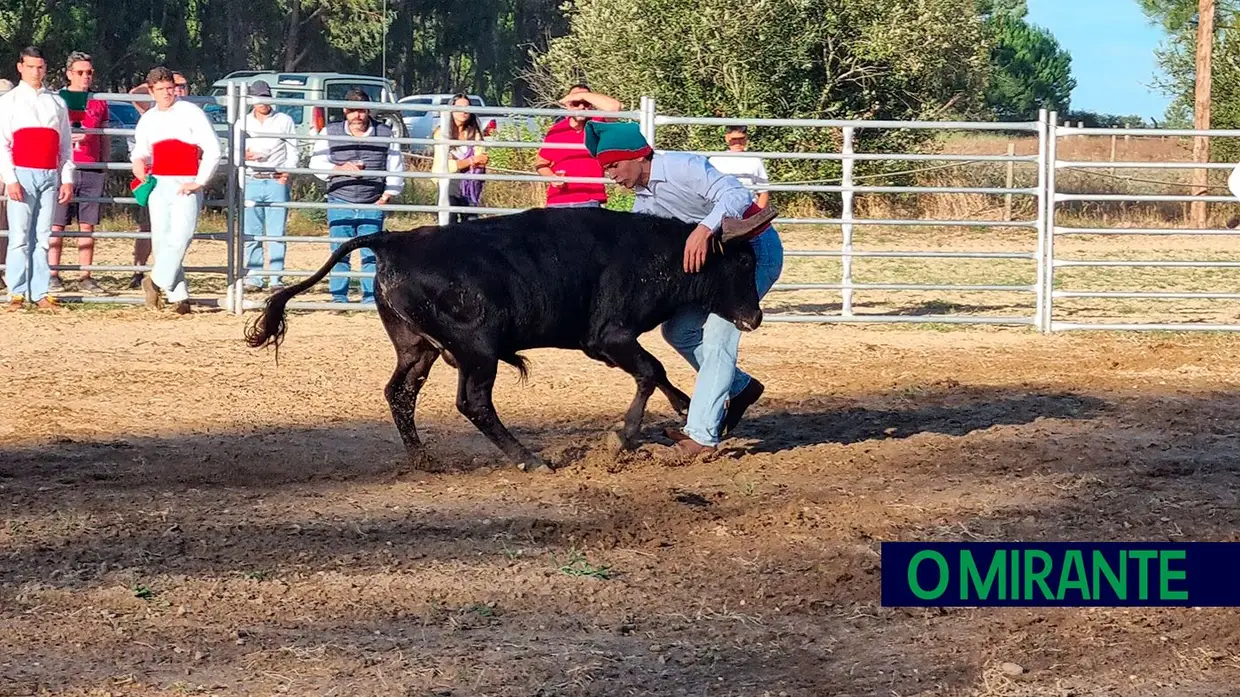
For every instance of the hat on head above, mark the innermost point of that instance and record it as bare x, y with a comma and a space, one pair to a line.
142, 190
260, 88
613, 141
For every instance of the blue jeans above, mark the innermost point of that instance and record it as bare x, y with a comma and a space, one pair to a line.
264, 221
352, 222
30, 231
710, 343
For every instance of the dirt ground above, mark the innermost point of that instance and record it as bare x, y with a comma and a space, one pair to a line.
180, 515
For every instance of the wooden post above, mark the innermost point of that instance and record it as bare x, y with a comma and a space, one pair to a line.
1113, 150
1007, 206
1201, 107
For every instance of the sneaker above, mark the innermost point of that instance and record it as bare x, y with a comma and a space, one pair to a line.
55, 285
90, 285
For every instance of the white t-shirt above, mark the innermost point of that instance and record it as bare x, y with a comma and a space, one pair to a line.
750, 170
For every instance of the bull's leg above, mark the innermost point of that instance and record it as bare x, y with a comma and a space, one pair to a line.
414, 358
679, 400
649, 374
473, 399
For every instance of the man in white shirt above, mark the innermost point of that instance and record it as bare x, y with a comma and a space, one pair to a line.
263, 184
685, 187
749, 169
174, 142
36, 164
5, 86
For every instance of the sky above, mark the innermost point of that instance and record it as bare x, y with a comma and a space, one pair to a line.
1112, 46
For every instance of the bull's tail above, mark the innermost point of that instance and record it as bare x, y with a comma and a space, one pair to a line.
269, 326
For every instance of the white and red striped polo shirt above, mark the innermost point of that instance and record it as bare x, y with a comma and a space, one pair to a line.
34, 133
178, 141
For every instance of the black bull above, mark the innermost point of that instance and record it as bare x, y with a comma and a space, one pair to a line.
480, 291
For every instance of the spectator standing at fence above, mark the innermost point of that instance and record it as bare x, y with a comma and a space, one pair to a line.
268, 144
142, 246
688, 188
462, 158
750, 170
342, 162
36, 164
5, 86
175, 143
575, 162
84, 112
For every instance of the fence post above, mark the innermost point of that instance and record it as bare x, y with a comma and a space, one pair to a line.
646, 109
1047, 280
846, 227
441, 155
1040, 294
1010, 179
236, 198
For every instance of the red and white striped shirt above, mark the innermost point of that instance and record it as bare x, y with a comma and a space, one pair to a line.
34, 133
179, 141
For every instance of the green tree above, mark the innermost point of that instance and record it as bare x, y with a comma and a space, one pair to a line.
831, 59
1029, 70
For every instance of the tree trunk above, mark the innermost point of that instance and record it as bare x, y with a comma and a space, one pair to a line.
291, 36
1201, 109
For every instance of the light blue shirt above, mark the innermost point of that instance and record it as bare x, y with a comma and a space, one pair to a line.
688, 188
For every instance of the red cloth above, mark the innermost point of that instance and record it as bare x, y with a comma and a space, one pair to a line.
571, 163
175, 158
36, 148
90, 149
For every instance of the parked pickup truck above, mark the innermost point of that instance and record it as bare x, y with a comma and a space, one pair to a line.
421, 124
326, 86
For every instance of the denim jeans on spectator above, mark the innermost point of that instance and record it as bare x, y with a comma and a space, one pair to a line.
267, 222
30, 231
352, 222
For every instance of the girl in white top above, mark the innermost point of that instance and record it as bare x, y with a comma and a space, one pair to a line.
175, 142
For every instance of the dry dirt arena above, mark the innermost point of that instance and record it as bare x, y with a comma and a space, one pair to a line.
180, 515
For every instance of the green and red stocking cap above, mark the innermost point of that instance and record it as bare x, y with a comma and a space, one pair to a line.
613, 141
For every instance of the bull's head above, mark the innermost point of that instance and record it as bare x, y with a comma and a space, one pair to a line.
736, 288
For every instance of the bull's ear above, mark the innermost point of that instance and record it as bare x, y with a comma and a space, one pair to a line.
744, 229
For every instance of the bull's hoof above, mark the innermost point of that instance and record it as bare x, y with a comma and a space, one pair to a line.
616, 442
423, 461
536, 465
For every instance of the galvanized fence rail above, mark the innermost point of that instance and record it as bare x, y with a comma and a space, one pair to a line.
1040, 253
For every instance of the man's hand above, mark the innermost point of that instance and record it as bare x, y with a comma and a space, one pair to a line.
65, 195
696, 248
282, 177
384, 199
349, 167
188, 188
14, 192
139, 171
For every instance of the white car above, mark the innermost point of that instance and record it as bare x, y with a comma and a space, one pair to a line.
421, 124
